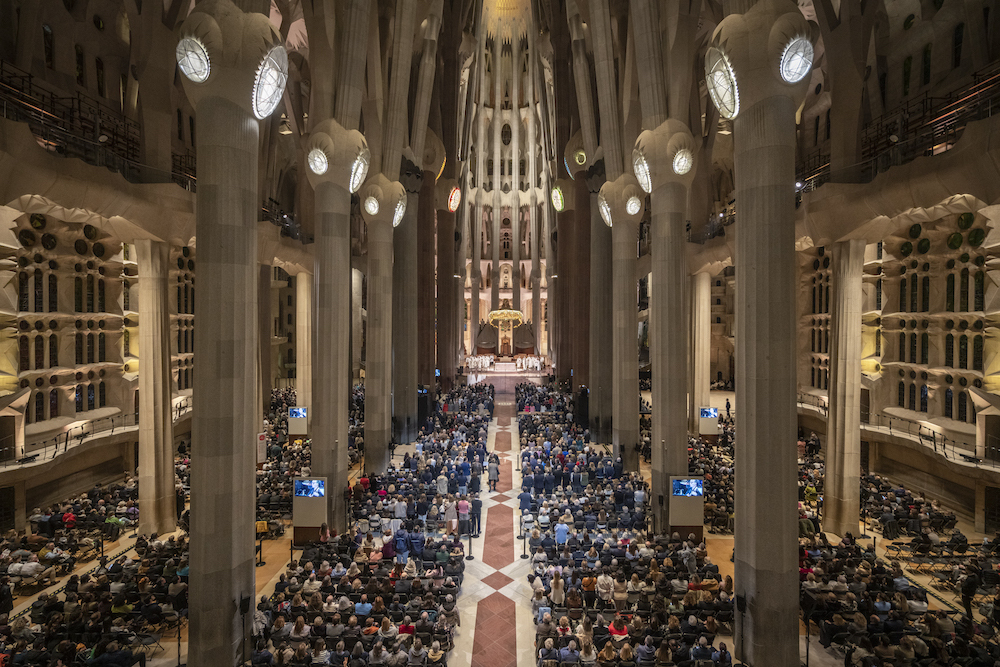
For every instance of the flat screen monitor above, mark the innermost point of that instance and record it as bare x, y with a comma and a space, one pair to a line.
296, 413
310, 488
709, 413
687, 488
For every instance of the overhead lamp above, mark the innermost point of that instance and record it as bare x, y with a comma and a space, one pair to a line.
269, 84
580, 157
371, 205
285, 126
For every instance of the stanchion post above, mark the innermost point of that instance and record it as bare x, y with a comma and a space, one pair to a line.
469, 556
524, 550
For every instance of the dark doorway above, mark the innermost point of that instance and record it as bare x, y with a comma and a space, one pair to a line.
8, 441
6, 508
865, 406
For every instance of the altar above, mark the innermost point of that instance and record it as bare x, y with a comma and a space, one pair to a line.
505, 367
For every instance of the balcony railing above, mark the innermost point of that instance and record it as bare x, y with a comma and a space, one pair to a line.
59, 444
83, 127
955, 450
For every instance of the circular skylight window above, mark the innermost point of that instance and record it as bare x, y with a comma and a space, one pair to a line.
359, 170
721, 81
270, 82
797, 60
371, 206
683, 161
318, 162
192, 58
641, 169
580, 156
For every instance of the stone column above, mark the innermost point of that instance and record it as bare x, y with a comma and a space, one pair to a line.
156, 433
601, 336
266, 328
426, 242
303, 340
701, 346
344, 152
668, 343
223, 426
766, 567
580, 263
357, 321
550, 267
404, 311
476, 275
664, 159
841, 495
447, 287
621, 203
388, 208
562, 288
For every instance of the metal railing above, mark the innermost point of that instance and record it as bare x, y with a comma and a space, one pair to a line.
952, 449
924, 125
83, 127
61, 443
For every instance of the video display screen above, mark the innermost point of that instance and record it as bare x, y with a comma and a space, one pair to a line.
310, 488
297, 413
689, 488
709, 413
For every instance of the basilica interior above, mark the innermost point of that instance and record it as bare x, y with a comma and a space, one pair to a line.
487, 261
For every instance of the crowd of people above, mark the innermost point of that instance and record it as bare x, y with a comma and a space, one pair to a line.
103, 618
606, 591
385, 592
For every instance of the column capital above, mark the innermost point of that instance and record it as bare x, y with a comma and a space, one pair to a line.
766, 52
337, 155
382, 200
226, 53
410, 175
665, 155
621, 201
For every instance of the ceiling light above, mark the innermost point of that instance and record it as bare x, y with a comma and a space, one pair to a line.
269, 84
371, 206
192, 59
318, 162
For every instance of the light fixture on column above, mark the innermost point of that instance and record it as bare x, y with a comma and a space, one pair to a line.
580, 157
605, 208
683, 161
641, 168
633, 205
340, 156
558, 200
193, 59
454, 198
318, 162
721, 81
622, 199
359, 169
371, 205
797, 59
397, 216
269, 85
